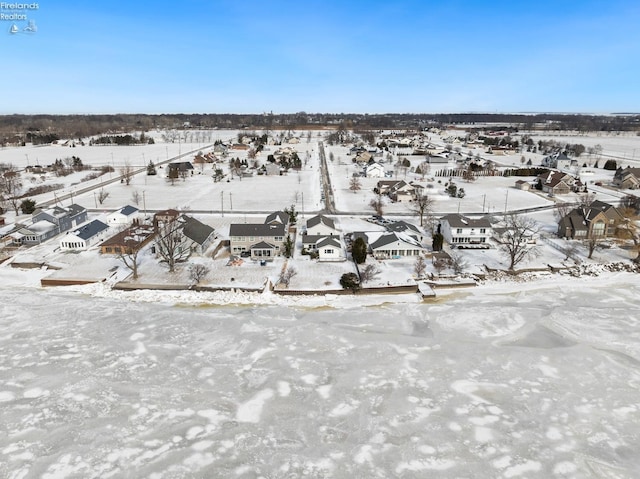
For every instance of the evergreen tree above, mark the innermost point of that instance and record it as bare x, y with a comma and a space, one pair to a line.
359, 251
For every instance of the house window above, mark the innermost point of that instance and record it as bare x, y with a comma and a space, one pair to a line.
483, 230
598, 228
459, 230
328, 251
278, 238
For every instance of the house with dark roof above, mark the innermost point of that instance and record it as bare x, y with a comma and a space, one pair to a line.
597, 220
321, 225
394, 245
182, 167
461, 230
556, 182
49, 222
261, 240
330, 249
405, 228
278, 218
199, 235
627, 179
84, 236
123, 216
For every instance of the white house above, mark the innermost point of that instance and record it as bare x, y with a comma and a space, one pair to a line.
457, 229
330, 249
321, 226
395, 245
123, 216
83, 237
374, 170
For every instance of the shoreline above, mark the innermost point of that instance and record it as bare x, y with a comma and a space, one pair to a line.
606, 275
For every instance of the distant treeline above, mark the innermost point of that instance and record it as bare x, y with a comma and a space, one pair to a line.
40, 128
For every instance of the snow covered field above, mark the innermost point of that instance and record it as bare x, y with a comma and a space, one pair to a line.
532, 380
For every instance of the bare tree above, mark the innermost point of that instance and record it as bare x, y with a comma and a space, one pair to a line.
130, 260
170, 242
570, 250
458, 263
419, 267
440, 264
286, 274
592, 243
354, 184
126, 172
10, 187
562, 209
515, 240
629, 229
369, 272
586, 199
102, 195
252, 153
421, 205
197, 272
377, 205
135, 197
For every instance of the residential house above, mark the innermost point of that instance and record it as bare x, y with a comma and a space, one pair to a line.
406, 228
374, 170
200, 235
523, 185
124, 216
393, 245
262, 241
383, 186
322, 226
278, 218
182, 167
597, 220
128, 241
330, 249
627, 179
164, 216
84, 236
559, 161
461, 230
402, 192
47, 223
556, 183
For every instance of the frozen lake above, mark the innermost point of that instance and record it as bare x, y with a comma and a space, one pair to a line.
539, 383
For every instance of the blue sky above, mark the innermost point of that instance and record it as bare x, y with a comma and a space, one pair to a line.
198, 56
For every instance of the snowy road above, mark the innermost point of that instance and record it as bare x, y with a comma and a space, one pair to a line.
536, 383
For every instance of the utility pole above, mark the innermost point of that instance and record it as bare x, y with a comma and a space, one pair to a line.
222, 202
231, 202
95, 200
144, 204
484, 198
506, 198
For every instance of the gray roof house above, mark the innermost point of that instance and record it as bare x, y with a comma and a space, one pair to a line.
200, 235
84, 236
461, 230
395, 245
251, 237
47, 223
277, 217
321, 225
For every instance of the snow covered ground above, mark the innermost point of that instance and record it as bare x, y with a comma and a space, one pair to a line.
534, 380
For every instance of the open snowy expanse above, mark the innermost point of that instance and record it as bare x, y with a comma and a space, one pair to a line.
532, 380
